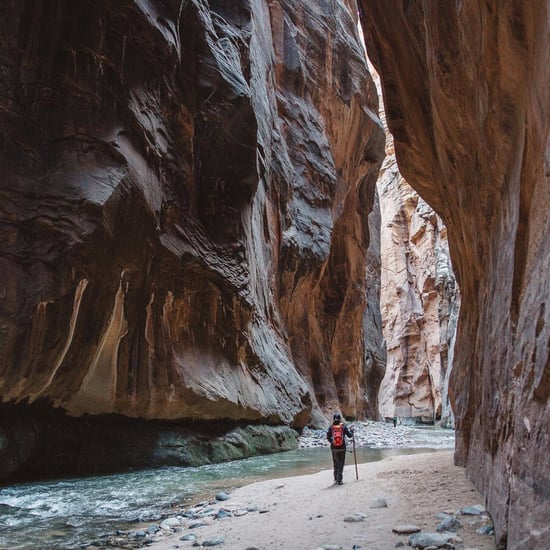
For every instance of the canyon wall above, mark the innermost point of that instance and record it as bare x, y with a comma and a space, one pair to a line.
419, 301
467, 96
184, 215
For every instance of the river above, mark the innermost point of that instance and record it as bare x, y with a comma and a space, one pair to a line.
67, 514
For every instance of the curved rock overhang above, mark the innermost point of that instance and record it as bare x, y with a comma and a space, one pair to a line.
467, 96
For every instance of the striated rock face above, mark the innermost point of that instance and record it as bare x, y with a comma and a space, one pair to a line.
467, 94
183, 210
419, 301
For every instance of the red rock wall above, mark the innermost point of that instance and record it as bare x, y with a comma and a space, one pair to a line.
467, 94
184, 198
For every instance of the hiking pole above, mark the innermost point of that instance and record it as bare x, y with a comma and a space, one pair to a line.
355, 458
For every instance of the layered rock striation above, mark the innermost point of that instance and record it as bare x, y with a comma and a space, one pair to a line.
183, 213
467, 95
419, 303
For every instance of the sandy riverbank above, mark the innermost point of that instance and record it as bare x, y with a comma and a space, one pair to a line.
308, 512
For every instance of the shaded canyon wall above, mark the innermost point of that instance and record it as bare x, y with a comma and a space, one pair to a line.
183, 213
467, 95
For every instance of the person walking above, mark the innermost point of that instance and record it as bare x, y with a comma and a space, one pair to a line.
336, 434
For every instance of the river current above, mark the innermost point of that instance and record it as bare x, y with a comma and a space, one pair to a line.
67, 514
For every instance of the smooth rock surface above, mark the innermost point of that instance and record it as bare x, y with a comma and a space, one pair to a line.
467, 97
184, 211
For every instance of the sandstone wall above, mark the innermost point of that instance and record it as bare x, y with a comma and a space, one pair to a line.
184, 198
418, 297
467, 94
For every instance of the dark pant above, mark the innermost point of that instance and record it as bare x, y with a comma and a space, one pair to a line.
338, 459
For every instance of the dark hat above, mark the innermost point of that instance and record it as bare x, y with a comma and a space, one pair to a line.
336, 416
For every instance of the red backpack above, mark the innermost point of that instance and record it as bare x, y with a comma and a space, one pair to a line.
337, 435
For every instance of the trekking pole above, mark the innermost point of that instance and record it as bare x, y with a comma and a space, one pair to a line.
355, 458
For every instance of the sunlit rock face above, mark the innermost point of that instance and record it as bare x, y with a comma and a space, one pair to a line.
184, 210
419, 302
467, 97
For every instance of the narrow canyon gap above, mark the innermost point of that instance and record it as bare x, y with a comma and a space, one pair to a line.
467, 96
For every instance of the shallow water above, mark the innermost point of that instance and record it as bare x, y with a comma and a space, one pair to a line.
70, 513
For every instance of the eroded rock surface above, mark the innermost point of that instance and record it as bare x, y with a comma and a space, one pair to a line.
419, 300
467, 95
183, 210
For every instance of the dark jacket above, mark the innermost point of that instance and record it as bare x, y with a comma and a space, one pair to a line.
347, 432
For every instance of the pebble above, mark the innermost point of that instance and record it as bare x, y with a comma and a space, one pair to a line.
355, 517
366, 434
170, 523
449, 524
379, 502
406, 529
437, 540
486, 530
214, 542
196, 523
476, 510
222, 496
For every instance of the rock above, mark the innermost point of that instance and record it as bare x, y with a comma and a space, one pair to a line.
405, 529
399, 544
152, 529
418, 297
240, 512
355, 517
222, 496
223, 514
140, 534
331, 547
214, 542
265, 253
476, 510
170, 523
486, 530
425, 540
504, 319
449, 524
189, 537
379, 502
196, 524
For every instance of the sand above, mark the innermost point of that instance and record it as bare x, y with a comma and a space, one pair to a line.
307, 512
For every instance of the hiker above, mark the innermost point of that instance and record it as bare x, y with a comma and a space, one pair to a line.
336, 435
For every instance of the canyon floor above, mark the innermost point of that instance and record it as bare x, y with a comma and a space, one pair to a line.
310, 512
